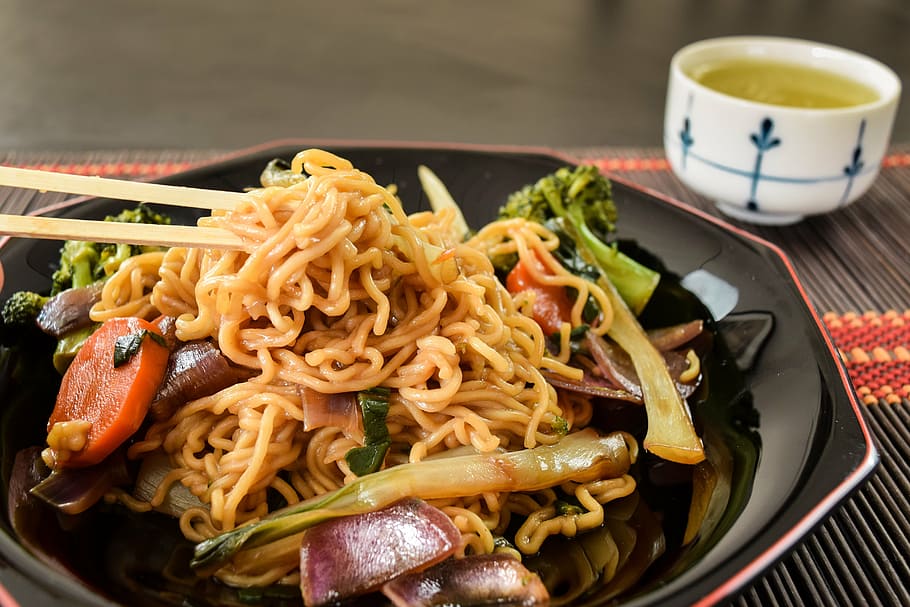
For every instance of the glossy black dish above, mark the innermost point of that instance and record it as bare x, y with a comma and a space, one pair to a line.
814, 446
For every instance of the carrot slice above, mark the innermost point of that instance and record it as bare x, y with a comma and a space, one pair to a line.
100, 403
551, 303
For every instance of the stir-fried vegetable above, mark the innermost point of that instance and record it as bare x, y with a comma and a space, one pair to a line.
440, 199
69, 310
551, 302
582, 199
578, 204
580, 457
23, 307
489, 579
75, 490
278, 173
75, 286
374, 406
671, 434
412, 534
194, 370
103, 401
82, 263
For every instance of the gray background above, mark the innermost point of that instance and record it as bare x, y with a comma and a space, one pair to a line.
96, 74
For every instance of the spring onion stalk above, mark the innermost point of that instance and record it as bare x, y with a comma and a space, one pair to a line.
440, 198
580, 457
671, 434
633, 281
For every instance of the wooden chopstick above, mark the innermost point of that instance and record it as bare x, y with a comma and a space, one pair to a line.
107, 231
55, 228
120, 189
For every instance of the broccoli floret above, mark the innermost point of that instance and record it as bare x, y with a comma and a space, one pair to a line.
579, 202
140, 214
83, 263
582, 186
528, 203
77, 266
110, 256
22, 308
278, 173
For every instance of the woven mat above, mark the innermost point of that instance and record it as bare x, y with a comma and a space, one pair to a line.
853, 265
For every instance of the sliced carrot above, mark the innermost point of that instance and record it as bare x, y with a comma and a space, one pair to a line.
551, 303
113, 399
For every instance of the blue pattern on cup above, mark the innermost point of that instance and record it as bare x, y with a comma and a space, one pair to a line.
685, 135
856, 163
763, 141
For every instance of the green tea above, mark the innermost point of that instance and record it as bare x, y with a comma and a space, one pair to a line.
779, 83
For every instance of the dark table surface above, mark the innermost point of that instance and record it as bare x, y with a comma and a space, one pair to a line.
101, 74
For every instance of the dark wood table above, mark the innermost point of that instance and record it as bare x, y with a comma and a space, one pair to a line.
173, 74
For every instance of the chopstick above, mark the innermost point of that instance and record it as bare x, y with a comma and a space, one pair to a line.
55, 228
138, 191
106, 231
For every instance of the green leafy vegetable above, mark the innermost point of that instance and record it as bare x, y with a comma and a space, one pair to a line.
577, 205
22, 308
581, 199
127, 346
278, 173
374, 405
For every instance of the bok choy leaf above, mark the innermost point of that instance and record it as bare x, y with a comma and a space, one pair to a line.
580, 457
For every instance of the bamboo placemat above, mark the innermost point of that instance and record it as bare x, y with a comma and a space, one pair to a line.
854, 266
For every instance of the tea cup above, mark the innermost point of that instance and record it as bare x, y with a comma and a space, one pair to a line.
765, 162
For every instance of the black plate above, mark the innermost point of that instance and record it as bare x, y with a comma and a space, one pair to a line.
815, 448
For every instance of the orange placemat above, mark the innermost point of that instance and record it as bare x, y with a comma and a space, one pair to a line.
875, 348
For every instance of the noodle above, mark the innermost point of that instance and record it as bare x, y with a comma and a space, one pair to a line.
338, 291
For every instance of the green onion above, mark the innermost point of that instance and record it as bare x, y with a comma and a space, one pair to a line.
374, 406
127, 346
440, 198
580, 457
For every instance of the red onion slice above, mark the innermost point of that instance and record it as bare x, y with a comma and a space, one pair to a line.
491, 579
68, 310
338, 410
353, 555
194, 370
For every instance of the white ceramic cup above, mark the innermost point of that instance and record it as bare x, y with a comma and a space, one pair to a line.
775, 164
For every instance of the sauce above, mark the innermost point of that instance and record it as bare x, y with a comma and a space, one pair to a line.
779, 83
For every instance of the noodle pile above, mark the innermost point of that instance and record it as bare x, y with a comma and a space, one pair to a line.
337, 291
